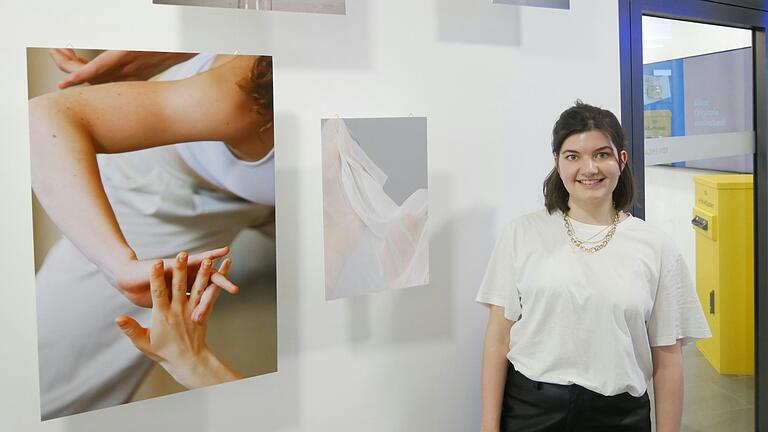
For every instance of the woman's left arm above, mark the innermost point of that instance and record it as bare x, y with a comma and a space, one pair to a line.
668, 386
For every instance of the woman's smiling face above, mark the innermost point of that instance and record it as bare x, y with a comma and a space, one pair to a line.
590, 166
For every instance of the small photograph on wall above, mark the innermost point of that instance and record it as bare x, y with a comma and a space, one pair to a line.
309, 6
374, 205
154, 225
555, 4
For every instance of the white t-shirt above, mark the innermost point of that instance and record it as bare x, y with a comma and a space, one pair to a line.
590, 319
214, 162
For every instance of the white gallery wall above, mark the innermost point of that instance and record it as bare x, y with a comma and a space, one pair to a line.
490, 79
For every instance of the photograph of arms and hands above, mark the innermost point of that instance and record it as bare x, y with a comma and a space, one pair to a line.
150, 165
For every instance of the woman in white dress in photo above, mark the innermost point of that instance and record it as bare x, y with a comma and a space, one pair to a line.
131, 172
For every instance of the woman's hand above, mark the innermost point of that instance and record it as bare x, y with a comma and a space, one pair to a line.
131, 276
173, 339
111, 66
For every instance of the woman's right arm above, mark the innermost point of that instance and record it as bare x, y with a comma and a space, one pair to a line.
65, 178
495, 364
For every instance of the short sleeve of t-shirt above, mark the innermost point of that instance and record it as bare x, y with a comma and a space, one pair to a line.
677, 313
498, 286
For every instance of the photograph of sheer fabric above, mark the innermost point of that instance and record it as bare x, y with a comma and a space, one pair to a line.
555, 4
374, 205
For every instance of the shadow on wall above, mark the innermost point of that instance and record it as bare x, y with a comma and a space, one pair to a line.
284, 405
452, 301
304, 40
478, 22
427, 314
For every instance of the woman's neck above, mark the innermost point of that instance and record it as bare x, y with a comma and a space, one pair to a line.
254, 147
594, 214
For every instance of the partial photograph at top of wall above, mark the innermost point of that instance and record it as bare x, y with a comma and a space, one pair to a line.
555, 4
337, 7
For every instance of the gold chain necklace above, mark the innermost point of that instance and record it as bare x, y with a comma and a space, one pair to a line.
589, 240
580, 243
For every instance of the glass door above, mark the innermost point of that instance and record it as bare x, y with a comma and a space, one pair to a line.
699, 145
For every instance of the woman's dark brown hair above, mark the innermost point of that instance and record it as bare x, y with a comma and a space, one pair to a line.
583, 118
259, 85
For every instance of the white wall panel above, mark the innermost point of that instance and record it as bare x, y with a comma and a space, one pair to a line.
407, 360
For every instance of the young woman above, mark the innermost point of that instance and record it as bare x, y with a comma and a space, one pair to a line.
184, 163
587, 303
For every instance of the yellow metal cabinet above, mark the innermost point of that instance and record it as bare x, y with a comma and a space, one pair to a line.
722, 220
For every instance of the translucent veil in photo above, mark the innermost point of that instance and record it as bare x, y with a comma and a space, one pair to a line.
371, 242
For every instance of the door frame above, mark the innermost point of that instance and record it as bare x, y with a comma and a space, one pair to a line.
631, 70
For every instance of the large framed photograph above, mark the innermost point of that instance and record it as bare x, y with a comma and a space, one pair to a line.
153, 177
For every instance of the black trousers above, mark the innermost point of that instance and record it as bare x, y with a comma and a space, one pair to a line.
532, 406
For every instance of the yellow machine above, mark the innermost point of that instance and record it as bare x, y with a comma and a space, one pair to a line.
722, 219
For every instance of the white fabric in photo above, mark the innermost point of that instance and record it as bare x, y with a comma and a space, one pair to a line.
371, 243
86, 362
590, 319
215, 163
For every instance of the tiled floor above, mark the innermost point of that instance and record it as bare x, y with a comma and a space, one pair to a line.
714, 402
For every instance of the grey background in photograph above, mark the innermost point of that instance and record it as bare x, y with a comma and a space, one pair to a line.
398, 145
313, 6
557, 4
